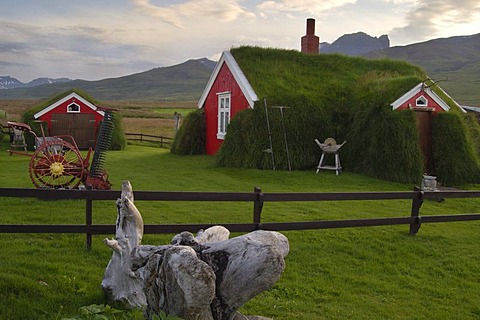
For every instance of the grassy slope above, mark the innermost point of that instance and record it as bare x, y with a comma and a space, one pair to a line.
362, 273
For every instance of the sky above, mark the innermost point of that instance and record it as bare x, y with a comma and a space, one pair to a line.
98, 39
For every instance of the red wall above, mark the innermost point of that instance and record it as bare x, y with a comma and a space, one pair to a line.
62, 108
430, 102
224, 82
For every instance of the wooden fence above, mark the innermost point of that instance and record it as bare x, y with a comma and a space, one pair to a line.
258, 199
141, 137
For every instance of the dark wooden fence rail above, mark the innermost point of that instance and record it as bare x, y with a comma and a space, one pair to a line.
257, 197
163, 141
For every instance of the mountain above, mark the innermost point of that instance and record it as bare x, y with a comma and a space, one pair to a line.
7, 82
181, 82
40, 81
355, 44
454, 62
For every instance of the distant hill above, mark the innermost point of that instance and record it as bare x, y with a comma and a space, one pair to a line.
7, 82
355, 44
181, 82
453, 62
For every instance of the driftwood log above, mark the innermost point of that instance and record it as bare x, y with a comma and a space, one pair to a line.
203, 277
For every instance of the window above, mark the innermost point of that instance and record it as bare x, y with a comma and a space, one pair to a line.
421, 101
223, 114
73, 108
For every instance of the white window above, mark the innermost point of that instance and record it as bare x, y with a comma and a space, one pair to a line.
73, 107
421, 101
224, 100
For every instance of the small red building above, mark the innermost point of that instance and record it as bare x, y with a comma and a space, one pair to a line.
426, 103
72, 115
422, 98
227, 92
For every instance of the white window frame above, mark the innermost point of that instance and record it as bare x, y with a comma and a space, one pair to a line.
73, 111
224, 113
421, 98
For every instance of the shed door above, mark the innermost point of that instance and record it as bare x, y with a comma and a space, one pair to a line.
80, 126
424, 129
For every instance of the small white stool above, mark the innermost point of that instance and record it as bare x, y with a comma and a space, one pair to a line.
330, 146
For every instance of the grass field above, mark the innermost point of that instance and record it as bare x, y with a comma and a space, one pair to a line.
353, 273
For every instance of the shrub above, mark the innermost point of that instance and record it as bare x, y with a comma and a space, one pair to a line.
454, 156
190, 138
384, 144
118, 137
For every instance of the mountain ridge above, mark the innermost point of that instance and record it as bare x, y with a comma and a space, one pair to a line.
8, 82
184, 81
355, 44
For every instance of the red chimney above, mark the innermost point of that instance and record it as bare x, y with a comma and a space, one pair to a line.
310, 41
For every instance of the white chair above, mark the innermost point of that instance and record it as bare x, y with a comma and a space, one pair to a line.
329, 146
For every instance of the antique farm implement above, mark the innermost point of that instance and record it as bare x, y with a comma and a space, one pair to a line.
57, 161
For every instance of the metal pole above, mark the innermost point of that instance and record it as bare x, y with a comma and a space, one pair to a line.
285, 136
269, 135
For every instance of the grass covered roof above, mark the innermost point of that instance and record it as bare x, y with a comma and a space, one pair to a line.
291, 76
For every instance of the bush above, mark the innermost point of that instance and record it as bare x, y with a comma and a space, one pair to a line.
190, 138
118, 137
454, 156
384, 144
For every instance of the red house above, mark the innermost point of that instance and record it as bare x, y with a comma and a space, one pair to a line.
227, 92
72, 115
426, 103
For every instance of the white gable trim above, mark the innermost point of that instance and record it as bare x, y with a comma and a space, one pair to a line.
63, 100
238, 75
419, 87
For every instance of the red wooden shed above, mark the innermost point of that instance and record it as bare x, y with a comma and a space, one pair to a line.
426, 103
227, 92
72, 115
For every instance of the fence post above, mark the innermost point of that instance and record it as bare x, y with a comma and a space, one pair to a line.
416, 204
88, 218
161, 141
257, 207
141, 137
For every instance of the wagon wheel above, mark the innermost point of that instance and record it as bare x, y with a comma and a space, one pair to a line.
56, 164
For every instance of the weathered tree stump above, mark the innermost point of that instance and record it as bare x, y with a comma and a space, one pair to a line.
202, 277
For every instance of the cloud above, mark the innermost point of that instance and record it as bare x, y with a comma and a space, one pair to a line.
428, 17
222, 10
66, 50
271, 7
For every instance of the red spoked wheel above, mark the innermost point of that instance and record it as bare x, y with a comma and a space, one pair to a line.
56, 164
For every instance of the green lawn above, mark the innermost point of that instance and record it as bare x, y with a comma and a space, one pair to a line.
353, 273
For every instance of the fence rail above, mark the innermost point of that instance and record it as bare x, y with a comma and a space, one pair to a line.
258, 199
163, 141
